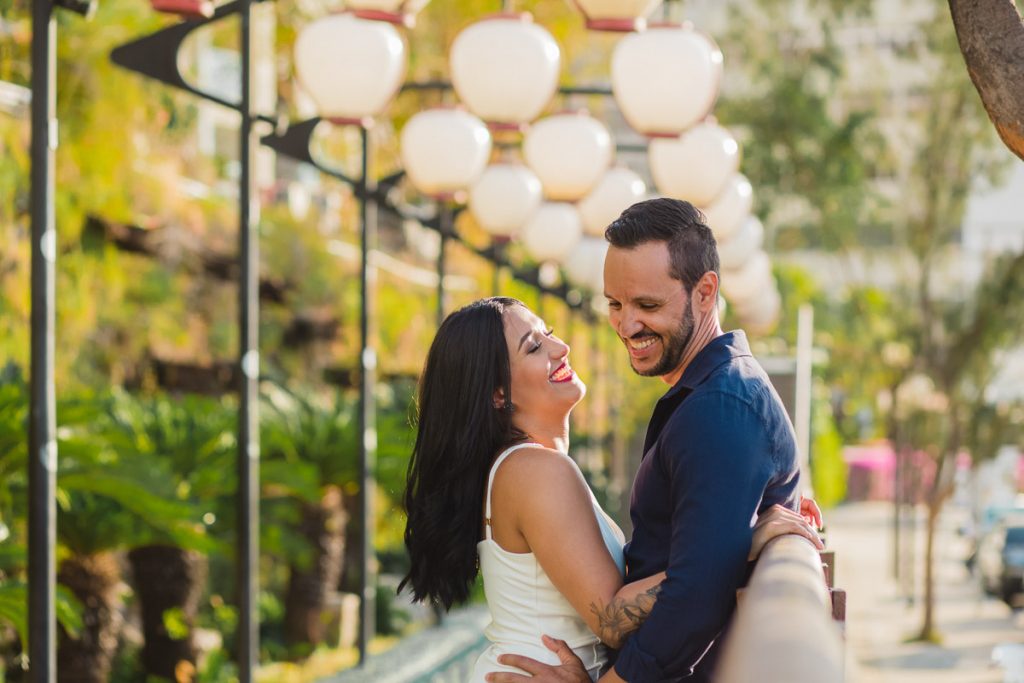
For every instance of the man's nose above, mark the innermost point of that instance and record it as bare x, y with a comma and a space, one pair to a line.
629, 323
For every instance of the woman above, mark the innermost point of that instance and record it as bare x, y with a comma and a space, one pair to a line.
490, 480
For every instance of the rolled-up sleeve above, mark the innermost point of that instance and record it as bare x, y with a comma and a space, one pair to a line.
716, 454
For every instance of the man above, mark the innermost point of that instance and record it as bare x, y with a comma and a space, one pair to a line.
719, 447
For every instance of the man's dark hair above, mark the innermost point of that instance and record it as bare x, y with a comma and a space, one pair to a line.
679, 224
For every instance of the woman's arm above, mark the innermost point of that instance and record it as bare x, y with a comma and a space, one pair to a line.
779, 520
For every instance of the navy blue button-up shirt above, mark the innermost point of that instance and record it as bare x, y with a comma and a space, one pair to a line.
719, 450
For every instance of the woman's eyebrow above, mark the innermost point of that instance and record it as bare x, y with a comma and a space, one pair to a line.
522, 340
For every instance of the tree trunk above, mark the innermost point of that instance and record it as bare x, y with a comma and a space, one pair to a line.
940, 492
991, 36
928, 632
168, 578
323, 526
96, 581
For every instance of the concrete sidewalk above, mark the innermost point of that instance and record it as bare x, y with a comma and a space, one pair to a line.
880, 619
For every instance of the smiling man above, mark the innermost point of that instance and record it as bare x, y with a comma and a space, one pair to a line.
719, 447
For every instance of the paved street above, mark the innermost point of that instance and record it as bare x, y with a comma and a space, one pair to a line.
879, 620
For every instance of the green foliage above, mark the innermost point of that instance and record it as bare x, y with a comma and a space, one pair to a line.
14, 609
811, 161
828, 470
142, 470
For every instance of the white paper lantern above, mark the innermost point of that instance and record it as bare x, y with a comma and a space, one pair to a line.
392, 11
761, 315
552, 231
505, 69
444, 150
331, 58
734, 252
618, 189
742, 285
584, 266
504, 197
728, 210
617, 15
665, 79
569, 153
696, 165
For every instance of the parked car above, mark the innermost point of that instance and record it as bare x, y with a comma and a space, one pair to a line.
1000, 562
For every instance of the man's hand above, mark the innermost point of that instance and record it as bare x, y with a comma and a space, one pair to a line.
571, 669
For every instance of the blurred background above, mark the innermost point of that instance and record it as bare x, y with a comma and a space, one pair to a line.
875, 249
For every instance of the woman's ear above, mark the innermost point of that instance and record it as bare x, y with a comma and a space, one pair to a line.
499, 398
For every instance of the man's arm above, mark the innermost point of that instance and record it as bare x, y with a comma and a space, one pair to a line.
623, 614
716, 454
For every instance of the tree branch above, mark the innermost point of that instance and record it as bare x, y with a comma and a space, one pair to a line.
991, 37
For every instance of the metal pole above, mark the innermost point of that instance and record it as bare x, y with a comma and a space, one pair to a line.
499, 250
446, 229
802, 417
42, 430
249, 365
367, 404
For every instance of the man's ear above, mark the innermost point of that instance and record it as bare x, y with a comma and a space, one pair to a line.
706, 292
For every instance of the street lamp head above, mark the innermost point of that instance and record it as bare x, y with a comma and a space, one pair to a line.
85, 8
760, 314
569, 153
666, 79
618, 189
584, 266
616, 15
552, 232
729, 209
351, 67
743, 286
504, 198
737, 250
444, 151
697, 165
505, 69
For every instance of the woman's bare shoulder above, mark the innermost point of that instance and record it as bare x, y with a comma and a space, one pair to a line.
536, 467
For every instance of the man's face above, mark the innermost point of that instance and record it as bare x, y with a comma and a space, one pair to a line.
648, 308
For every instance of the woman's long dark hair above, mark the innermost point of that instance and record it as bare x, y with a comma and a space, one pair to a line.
459, 433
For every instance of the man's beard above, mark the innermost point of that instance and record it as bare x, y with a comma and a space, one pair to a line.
674, 347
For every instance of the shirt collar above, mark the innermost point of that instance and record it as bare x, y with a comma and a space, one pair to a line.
719, 350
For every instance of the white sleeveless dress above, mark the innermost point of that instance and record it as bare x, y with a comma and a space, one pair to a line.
525, 605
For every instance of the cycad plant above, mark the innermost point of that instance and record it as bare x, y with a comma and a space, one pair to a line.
103, 501
13, 476
107, 501
309, 468
189, 439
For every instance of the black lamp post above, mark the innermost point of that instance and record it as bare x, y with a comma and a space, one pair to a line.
42, 423
156, 56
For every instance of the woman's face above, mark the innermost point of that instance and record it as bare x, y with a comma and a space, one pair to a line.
542, 379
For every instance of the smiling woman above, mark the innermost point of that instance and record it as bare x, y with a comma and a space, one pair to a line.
488, 475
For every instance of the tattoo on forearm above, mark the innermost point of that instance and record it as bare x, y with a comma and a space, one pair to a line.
618, 620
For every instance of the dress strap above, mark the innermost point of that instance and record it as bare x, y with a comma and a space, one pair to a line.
490, 482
